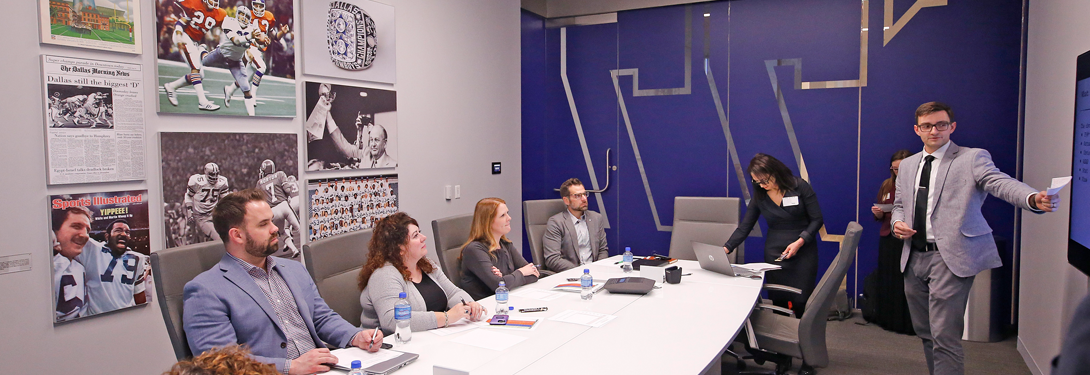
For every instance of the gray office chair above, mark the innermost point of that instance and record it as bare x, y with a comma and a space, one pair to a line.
334, 263
450, 234
537, 214
709, 220
787, 336
171, 270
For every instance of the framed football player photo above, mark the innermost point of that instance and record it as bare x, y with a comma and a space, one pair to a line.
220, 57
200, 168
100, 254
109, 25
349, 127
349, 39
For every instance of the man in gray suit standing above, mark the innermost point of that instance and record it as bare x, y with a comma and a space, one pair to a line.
575, 236
950, 242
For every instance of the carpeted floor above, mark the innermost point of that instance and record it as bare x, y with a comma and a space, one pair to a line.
868, 349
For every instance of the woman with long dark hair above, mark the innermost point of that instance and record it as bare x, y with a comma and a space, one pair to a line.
790, 208
891, 307
397, 262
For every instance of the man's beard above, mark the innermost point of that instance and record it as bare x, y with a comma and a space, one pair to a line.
257, 250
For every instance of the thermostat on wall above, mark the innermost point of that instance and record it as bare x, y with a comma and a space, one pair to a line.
496, 167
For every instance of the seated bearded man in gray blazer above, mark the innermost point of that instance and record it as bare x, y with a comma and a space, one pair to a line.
268, 304
576, 236
936, 211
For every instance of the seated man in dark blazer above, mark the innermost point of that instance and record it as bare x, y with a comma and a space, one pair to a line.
575, 236
268, 304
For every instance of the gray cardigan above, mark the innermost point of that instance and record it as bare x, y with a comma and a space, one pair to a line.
380, 296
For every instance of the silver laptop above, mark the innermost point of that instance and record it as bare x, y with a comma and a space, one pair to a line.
713, 258
387, 366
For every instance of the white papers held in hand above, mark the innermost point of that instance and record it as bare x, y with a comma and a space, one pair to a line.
1058, 184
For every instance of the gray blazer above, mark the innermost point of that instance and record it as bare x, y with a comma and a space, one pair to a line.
380, 295
965, 178
560, 243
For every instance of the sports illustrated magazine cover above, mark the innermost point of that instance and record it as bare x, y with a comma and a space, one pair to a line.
109, 25
349, 127
349, 39
99, 252
234, 58
199, 168
342, 205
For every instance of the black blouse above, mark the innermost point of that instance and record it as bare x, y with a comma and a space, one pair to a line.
804, 216
434, 298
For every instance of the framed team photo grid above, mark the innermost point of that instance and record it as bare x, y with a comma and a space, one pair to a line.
231, 58
200, 168
349, 204
109, 25
99, 252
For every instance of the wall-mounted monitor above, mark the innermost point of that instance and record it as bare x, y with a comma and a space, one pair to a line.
1078, 244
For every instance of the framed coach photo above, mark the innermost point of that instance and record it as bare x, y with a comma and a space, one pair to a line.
350, 127
199, 168
108, 25
349, 39
99, 252
234, 58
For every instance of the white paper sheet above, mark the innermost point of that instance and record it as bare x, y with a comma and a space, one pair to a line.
586, 318
759, 267
1058, 184
538, 294
347, 355
884, 207
487, 339
461, 325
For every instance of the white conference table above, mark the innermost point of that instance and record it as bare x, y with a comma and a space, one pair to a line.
678, 329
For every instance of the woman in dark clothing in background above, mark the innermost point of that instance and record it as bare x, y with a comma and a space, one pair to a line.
891, 307
790, 208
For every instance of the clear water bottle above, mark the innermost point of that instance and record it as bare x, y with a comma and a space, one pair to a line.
586, 282
402, 313
626, 264
356, 368
501, 298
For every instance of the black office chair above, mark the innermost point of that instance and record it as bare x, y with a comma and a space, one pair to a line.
780, 337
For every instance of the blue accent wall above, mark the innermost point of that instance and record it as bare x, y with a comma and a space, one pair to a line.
965, 54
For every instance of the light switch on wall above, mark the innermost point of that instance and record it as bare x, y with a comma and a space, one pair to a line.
447, 192
457, 191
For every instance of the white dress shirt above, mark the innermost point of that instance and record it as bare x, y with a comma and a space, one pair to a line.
938, 154
583, 237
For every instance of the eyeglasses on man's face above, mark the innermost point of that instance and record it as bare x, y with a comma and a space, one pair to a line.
940, 126
579, 195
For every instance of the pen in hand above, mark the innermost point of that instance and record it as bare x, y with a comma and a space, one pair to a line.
466, 306
374, 334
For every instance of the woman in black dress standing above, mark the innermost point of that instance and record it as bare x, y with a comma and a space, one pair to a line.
790, 208
891, 307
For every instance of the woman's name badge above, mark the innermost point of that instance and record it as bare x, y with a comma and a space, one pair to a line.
790, 201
